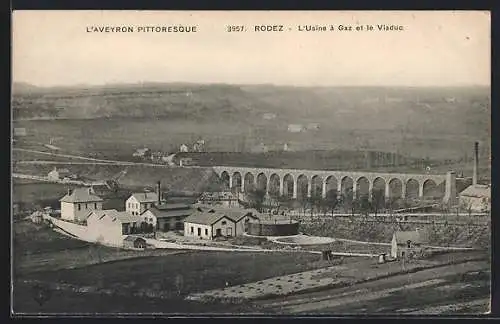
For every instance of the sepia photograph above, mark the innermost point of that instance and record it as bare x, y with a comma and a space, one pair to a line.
182, 163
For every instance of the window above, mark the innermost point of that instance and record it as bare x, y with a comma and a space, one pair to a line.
95, 205
224, 223
408, 244
192, 230
199, 231
206, 231
86, 206
79, 207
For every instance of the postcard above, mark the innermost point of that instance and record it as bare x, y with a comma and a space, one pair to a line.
182, 163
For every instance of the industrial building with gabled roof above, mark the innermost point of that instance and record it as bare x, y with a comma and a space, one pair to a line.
208, 224
111, 226
166, 217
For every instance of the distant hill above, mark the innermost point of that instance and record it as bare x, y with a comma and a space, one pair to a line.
440, 110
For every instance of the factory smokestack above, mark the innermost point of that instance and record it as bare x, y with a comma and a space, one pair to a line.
476, 161
158, 192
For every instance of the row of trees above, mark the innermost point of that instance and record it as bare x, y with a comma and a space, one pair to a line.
332, 202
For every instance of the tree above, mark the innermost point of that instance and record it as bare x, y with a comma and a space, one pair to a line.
256, 198
347, 200
331, 200
378, 200
364, 204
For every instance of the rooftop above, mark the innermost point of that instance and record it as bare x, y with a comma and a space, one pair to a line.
114, 215
204, 217
131, 238
402, 237
79, 195
145, 197
165, 213
172, 206
477, 191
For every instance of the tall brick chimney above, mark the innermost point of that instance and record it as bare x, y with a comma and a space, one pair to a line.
476, 162
158, 192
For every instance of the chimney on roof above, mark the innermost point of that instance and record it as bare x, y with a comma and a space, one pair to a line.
476, 161
158, 192
69, 191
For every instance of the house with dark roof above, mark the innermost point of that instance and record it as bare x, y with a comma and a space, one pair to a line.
240, 216
208, 225
139, 202
405, 244
78, 203
167, 216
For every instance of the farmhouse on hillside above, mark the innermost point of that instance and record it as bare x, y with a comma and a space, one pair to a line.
58, 174
405, 244
183, 148
142, 153
139, 202
77, 203
476, 198
167, 217
111, 226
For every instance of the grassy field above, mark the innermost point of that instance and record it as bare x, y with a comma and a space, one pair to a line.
439, 235
200, 270
40, 254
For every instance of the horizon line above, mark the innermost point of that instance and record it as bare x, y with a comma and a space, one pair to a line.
248, 84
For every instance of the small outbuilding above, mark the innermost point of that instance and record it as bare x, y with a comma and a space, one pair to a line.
405, 244
134, 242
476, 198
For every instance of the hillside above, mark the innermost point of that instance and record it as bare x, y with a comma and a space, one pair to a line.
442, 110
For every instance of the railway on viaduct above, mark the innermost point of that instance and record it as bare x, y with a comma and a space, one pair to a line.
296, 183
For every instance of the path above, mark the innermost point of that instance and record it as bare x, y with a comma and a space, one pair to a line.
382, 294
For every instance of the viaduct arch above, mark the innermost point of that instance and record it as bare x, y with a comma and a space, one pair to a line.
309, 182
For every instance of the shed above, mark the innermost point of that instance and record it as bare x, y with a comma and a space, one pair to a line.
406, 243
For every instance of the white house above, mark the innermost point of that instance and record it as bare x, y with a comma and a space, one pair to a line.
139, 202
167, 217
295, 128
111, 226
269, 116
183, 148
476, 198
58, 174
78, 203
406, 243
208, 224
20, 131
143, 152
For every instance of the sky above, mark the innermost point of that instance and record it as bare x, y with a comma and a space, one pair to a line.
436, 48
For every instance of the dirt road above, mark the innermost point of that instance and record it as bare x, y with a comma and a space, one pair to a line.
464, 284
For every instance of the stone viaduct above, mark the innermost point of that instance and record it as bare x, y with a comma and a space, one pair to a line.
290, 181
